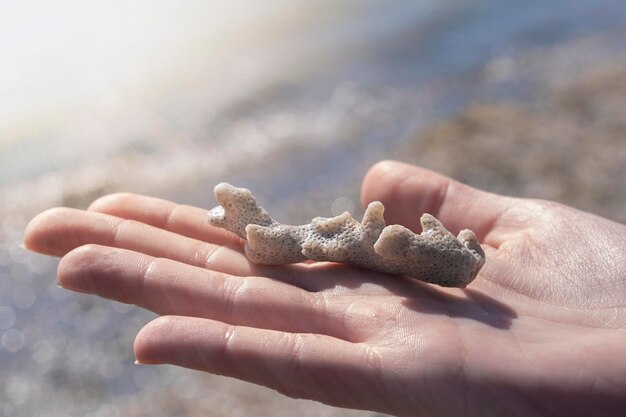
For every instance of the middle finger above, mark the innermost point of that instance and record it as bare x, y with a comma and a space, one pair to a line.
173, 288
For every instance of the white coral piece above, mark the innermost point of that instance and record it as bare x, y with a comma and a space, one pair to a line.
435, 256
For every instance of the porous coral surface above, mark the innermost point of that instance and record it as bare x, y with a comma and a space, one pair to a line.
435, 256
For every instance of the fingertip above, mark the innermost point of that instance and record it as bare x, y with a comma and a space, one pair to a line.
153, 342
378, 178
190, 342
141, 363
105, 203
40, 231
74, 266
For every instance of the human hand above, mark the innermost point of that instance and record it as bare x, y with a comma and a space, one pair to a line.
541, 331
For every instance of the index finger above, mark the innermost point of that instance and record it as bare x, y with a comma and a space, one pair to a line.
177, 218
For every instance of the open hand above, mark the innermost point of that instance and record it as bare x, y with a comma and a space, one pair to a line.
541, 331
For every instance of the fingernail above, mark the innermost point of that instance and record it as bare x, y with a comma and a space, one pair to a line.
71, 289
141, 363
23, 246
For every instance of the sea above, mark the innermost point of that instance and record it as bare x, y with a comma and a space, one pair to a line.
293, 99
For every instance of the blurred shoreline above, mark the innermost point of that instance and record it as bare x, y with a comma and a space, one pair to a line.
568, 145
563, 141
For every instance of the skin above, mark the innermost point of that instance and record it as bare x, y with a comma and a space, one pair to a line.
541, 331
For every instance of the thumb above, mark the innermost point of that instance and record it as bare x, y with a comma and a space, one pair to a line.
408, 191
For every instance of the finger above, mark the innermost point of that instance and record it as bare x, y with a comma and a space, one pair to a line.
299, 365
58, 231
181, 219
408, 191
173, 288
192, 222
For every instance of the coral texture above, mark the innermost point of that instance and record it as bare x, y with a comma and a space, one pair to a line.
435, 256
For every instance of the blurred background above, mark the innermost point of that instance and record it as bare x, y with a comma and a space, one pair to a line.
295, 100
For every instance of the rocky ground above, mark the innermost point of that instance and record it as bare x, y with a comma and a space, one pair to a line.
568, 146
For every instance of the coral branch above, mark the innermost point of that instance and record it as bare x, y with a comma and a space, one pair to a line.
435, 256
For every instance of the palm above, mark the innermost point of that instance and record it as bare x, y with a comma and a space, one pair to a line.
525, 338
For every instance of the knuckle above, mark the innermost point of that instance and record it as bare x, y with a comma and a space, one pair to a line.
121, 226
171, 216
205, 255
232, 291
